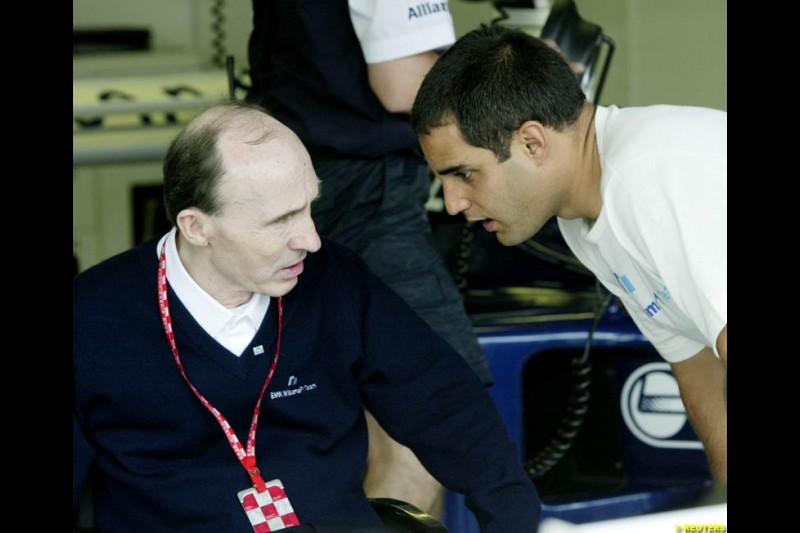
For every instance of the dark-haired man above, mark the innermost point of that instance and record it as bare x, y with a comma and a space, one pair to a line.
640, 194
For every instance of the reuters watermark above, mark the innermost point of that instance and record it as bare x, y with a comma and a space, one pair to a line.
704, 528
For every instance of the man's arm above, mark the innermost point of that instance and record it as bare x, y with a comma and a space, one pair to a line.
703, 384
396, 82
722, 350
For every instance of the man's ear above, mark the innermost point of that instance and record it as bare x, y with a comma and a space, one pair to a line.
534, 136
194, 225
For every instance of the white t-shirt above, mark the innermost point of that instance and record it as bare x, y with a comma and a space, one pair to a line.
661, 241
393, 29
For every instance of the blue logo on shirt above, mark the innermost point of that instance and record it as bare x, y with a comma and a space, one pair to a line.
661, 296
625, 282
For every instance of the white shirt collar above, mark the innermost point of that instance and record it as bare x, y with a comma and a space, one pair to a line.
233, 328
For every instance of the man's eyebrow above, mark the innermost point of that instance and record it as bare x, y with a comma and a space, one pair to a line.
287, 214
450, 170
293, 212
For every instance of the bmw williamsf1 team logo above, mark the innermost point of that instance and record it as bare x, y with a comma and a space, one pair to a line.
653, 411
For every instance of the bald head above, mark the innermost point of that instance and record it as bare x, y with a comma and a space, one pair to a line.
243, 121
197, 158
239, 187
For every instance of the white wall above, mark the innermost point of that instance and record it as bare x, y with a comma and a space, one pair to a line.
671, 51
172, 23
667, 51
175, 25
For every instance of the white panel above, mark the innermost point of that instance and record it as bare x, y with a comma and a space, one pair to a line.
169, 21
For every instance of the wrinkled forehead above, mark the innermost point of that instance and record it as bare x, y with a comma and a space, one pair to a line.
443, 142
265, 165
244, 145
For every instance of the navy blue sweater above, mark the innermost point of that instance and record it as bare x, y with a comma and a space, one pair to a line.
163, 463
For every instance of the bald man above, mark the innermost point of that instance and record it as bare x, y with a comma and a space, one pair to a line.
229, 361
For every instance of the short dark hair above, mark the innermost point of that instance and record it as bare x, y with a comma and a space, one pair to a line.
193, 165
491, 81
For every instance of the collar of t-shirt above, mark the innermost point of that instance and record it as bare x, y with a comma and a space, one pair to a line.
232, 328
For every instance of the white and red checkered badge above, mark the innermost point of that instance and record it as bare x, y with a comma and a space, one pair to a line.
269, 510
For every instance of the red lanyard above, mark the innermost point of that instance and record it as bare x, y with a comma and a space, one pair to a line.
247, 458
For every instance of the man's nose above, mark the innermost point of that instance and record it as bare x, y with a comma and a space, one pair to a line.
307, 237
454, 200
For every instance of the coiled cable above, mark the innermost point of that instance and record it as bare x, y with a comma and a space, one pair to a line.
462, 257
218, 34
578, 403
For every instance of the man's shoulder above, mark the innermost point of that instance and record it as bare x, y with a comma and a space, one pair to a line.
638, 144
665, 111
660, 128
117, 271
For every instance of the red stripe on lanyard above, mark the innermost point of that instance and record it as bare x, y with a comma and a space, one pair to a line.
246, 457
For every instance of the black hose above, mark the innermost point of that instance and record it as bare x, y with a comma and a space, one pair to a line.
577, 405
218, 34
